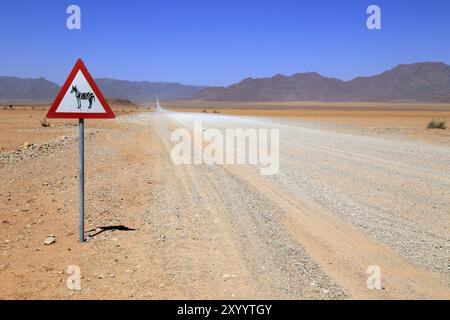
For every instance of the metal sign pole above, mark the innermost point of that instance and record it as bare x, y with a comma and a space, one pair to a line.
81, 177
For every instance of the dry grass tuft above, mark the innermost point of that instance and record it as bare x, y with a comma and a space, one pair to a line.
45, 123
437, 124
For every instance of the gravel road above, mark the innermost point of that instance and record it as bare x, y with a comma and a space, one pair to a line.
340, 203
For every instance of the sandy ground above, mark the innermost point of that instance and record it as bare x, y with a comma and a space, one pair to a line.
346, 197
399, 119
305, 105
23, 125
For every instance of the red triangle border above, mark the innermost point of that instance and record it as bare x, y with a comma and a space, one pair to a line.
79, 65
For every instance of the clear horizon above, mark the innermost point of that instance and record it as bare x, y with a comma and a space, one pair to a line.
288, 75
222, 42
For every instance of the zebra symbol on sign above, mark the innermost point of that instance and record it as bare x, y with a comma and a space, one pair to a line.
83, 96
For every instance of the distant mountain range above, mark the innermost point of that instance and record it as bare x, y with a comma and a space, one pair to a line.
40, 89
143, 90
419, 82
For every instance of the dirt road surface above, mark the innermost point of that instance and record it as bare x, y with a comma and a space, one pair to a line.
342, 202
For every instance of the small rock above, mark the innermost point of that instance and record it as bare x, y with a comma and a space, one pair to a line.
49, 240
27, 145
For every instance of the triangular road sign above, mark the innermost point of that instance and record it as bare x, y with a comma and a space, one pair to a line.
80, 97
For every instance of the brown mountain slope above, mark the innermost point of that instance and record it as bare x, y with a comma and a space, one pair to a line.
13, 88
422, 82
428, 82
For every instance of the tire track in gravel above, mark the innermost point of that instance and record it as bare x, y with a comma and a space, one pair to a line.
249, 242
197, 250
397, 210
344, 253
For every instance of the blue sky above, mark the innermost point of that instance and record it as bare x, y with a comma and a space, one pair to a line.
219, 42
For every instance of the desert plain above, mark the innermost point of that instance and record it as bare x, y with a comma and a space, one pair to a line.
359, 185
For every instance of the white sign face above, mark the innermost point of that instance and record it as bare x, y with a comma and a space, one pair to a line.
80, 97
